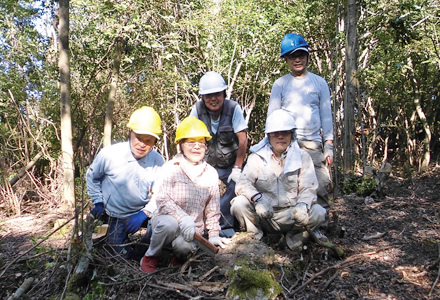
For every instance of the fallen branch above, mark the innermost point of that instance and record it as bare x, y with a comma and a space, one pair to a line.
34, 246
438, 273
337, 250
26, 168
22, 289
39, 254
204, 276
347, 262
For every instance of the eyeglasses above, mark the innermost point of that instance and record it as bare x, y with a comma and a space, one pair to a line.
193, 144
296, 54
279, 133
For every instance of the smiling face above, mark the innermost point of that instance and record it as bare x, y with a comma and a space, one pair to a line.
194, 149
279, 141
297, 62
141, 144
214, 101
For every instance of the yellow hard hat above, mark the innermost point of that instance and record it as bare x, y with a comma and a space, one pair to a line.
191, 127
145, 120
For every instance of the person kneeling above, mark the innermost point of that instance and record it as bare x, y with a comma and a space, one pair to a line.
276, 192
187, 199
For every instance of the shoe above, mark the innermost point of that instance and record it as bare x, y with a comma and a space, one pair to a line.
295, 240
176, 262
320, 235
148, 264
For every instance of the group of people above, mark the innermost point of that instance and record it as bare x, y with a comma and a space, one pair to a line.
281, 187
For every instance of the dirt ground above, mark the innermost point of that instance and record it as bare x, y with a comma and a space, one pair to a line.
391, 245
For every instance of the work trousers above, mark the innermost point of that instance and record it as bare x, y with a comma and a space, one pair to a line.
227, 220
245, 213
315, 150
166, 231
116, 235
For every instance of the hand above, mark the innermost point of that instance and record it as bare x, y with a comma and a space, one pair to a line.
328, 151
235, 174
300, 214
188, 228
264, 208
219, 241
98, 210
133, 223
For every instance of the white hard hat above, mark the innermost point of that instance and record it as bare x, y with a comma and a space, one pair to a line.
279, 120
211, 82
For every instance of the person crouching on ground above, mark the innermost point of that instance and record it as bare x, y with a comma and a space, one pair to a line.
122, 175
276, 192
187, 199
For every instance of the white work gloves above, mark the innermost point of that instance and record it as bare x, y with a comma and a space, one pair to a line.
235, 174
328, 151
264, 208
188, 228
300, 214
219, 241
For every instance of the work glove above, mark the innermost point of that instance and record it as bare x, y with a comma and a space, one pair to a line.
264, 208
300, 214
133, 223
219, 241
98, 210
235, 174
328, 151
188, 228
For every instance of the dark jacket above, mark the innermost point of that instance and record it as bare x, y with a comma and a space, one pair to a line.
223, 146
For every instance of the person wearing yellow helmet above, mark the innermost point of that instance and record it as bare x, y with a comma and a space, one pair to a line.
120, 179
227, 149
187, 197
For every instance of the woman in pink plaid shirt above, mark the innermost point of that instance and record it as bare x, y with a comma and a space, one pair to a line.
187, 197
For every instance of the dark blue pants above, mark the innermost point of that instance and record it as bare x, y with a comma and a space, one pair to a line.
227, 220
116, 235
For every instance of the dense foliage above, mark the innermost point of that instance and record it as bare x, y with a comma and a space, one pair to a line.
168, 45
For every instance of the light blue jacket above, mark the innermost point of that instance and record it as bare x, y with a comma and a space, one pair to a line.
120, 181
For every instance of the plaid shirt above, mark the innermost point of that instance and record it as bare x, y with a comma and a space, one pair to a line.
190, 190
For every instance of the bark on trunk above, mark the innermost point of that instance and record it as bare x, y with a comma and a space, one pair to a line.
66, 119
351, 86
112, 94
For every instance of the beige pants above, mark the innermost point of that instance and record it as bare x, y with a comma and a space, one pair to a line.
245, 213
315, 150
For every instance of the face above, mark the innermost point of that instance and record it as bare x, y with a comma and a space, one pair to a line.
214, 101
141, 144
194, 149
279, 141
297, 62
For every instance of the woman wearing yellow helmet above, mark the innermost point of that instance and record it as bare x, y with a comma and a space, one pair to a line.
187, 197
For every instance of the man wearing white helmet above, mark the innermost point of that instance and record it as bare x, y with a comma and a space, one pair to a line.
227, 148
307, 97
121, 177
277, 189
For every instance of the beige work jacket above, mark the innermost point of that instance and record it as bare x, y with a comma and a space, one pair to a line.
285, 190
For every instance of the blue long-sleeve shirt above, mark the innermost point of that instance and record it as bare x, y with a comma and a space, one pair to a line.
120, 181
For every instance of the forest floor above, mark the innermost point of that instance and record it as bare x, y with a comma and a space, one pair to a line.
391, 245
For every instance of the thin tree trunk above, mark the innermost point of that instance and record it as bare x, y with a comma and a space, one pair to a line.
66, 118
351, 86
426, 158
112, 94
